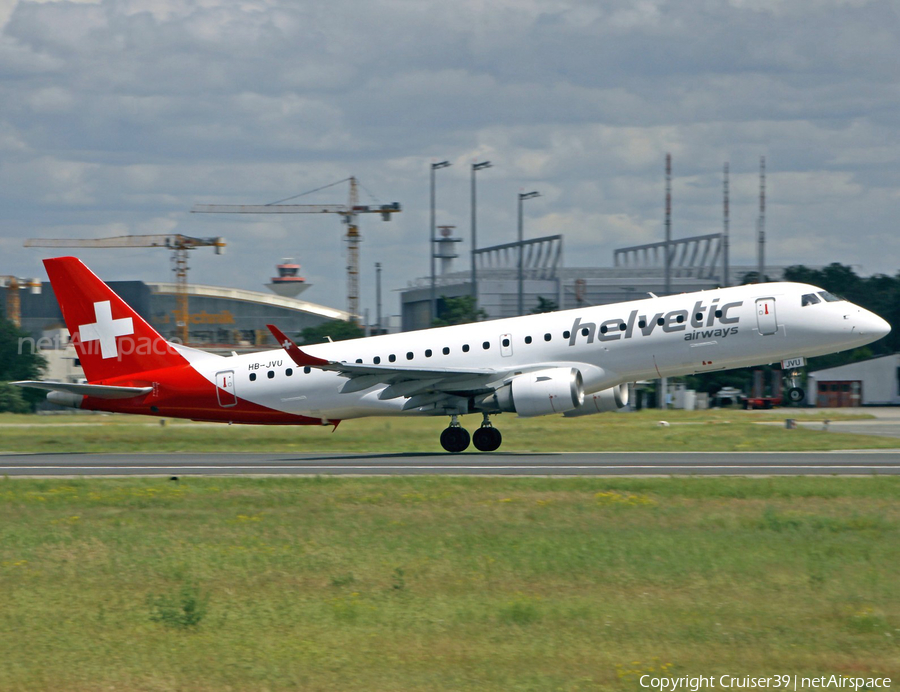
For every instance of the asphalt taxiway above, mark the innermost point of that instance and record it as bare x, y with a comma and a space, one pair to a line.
857, 463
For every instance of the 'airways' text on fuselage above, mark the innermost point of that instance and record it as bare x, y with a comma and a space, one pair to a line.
674, 321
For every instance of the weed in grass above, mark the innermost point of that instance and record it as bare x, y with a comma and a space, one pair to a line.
521, 611
776, 521
614, 497
343, 579
633, 670
182, 611
399, 581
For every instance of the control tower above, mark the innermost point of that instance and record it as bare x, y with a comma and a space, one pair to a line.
288, 283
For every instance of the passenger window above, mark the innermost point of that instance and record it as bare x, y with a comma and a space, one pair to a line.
289, 372
679, 319
392, 358
465, 348
622, 326
527, 339
506, 343
809, 299
253, 377
660, 321
486, 345
376, 360
307, 369
359, 360
585, 331
428, 353
547, 337
642, 324
445, 351
409, 355
718, 313
270, 374
603, 329
567, 334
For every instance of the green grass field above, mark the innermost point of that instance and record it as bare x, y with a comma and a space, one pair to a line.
443, 583
725, 430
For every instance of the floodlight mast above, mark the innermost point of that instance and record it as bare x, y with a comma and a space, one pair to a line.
521, 273
431, 250
475, 167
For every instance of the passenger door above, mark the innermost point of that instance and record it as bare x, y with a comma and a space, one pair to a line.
765, 315
225, 388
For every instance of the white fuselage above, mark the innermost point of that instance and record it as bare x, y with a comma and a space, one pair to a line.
609, 344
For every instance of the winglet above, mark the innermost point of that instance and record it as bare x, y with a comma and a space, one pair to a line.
298, 356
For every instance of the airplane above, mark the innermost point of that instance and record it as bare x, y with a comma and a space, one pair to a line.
572, 362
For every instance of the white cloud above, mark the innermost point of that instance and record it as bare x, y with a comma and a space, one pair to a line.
119, 116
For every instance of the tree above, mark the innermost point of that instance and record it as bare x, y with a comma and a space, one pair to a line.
11, 399
460, 310
544, 305
19, 360
338, 330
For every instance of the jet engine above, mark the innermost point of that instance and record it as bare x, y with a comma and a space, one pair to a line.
606, 400
539, 393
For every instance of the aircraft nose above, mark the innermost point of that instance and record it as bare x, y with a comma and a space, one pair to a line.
871, 324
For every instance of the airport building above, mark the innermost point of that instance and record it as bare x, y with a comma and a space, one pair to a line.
217, 316
873, 382
697, 265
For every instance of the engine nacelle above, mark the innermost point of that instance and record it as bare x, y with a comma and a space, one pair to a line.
610, 399
539, 393
65, 399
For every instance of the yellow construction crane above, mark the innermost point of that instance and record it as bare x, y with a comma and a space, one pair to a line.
13, 285
177, 243
348, 211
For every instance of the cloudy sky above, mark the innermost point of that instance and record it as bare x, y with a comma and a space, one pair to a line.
117, 116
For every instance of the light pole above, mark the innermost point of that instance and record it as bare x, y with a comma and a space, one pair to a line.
433, 302
522, 197
378, 296
475, 167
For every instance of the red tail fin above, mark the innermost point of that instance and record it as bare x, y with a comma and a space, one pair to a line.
110, 338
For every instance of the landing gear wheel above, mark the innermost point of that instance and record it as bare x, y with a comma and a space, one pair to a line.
795, 395
454, 439
487, 439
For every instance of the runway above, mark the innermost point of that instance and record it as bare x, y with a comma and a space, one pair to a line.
857, 463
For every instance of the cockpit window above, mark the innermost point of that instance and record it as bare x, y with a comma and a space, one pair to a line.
830, 297
809, 299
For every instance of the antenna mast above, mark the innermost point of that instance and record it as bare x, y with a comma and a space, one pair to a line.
725, 241
761, 269
668, 248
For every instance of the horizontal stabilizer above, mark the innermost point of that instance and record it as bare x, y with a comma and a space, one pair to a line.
100, 391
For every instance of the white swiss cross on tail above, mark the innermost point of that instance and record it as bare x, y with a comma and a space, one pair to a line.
106, 329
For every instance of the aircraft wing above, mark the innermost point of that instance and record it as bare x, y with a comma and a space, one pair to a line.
99, 391
423, 386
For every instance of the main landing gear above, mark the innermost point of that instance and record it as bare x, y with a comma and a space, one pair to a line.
456, 439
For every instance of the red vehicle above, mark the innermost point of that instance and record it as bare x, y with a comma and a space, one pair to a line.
762, 401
